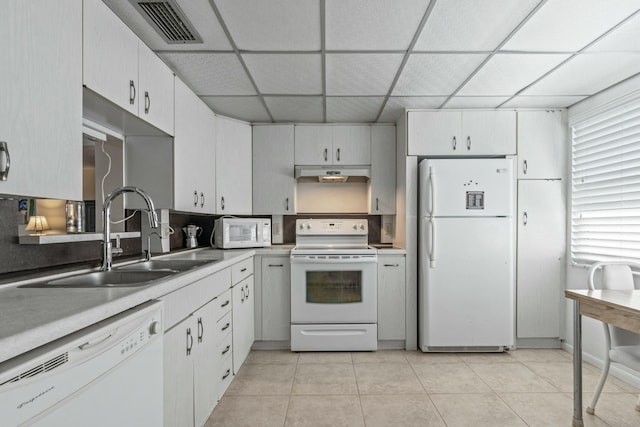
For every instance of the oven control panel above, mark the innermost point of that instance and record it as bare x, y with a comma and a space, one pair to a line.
340, 227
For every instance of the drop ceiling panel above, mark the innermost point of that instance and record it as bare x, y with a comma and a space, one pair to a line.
211, 74
295, 108
372, 24
361, 73
289, 74
542, 101
396, 105
475, 101
625, 38
198, 12
506, 74
471, 25
247, 108
272, 25
569, 25
353, 109
587, 74
436, 74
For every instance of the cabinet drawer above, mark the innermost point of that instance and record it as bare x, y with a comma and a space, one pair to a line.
181, 303
222, 304
241, 270
226, 375
224, 349
224, 327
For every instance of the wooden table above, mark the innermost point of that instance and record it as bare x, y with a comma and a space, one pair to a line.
617, 308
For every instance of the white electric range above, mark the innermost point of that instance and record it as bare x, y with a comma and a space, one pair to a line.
333, 287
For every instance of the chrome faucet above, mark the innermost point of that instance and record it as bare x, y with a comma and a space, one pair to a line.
107, 248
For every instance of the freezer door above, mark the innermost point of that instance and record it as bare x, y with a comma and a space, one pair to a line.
467, 187
466, 296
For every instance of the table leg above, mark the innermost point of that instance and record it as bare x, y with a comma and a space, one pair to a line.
577, 365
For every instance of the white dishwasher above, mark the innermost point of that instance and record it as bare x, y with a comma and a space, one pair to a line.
108, 374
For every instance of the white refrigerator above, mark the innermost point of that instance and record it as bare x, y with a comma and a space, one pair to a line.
467, 254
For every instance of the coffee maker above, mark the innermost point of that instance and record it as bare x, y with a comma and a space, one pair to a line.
191, 233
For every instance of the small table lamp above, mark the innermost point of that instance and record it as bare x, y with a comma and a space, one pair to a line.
37, 224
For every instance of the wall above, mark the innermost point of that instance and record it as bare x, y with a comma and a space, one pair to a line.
592, 334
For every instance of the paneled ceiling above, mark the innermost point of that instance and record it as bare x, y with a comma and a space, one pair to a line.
367, 60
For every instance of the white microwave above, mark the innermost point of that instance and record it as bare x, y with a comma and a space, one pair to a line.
233, 233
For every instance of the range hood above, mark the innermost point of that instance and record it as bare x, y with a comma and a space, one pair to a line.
333, 174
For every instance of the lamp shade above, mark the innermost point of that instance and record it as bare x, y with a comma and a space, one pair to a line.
37, 224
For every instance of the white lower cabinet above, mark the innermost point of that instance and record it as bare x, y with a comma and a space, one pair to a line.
541, 246
276, 298
243, 318
198, 349
391, 297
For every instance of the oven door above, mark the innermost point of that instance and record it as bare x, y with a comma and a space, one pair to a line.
333, 290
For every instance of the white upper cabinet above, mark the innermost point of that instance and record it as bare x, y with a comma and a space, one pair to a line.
120, 68
461, 133
332, 145
156, 90
233, 167
273, 181
41, 99
382, 188
194, 153
541, 144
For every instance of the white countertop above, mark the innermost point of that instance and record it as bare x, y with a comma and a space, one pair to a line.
31, 317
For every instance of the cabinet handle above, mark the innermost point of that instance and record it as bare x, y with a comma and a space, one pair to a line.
226, 349
243, 270
225, 327
195, 197
202, 200
338, 154
222, 203
454, 143
377, 204
189, 341
4, 148
525, 218
247, 293
392, 265
524, 167
276, 265
468, 143
242, 297
224, 304
147, 102
325, 154
132, 92
286, 204
226, 374
200, 329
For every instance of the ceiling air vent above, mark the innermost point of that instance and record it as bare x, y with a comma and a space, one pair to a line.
168, 20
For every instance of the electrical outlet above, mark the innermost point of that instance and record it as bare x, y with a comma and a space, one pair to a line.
387, 228
276, 229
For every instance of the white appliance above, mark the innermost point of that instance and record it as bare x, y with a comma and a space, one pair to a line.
467, 253
334, 305
108, 374
235, 233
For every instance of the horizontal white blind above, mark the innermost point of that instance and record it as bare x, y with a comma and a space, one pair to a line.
605, 200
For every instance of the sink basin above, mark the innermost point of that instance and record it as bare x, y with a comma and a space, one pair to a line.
105, 279
171, 265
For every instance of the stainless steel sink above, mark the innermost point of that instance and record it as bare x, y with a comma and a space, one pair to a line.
172, 265
105, 279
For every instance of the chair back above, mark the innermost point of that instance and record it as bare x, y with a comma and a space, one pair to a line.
616, 276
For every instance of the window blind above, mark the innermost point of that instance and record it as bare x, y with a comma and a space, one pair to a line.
605, 199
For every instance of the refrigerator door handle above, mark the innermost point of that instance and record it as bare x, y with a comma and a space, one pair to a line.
432, 190
432, 247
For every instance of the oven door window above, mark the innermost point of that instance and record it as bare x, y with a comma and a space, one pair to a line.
334, 287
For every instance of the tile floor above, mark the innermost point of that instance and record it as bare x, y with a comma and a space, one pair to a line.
409, 388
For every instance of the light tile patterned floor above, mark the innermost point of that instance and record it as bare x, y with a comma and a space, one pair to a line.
409, 388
